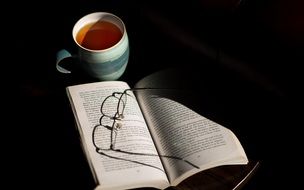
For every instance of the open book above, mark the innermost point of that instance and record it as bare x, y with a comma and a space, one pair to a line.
140, 138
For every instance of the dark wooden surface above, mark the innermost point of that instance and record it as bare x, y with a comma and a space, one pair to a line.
246, 56
222, 177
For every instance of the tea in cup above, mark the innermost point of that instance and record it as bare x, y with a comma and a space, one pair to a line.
103, 46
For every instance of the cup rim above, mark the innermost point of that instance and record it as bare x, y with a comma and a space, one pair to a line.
74, 32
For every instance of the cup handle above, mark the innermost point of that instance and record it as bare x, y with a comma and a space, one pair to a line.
62, 54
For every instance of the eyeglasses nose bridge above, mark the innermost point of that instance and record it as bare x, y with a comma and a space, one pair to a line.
118, 125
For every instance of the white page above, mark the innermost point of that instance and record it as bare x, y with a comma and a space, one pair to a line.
134, 137
181, 132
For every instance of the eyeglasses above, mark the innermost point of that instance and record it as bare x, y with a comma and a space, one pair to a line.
111, 122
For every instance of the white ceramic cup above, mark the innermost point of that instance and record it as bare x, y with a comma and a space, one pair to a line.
105, 64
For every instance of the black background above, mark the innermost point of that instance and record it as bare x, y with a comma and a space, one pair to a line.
244, 57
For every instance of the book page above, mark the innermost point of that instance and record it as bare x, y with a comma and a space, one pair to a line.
180, 132
115, 169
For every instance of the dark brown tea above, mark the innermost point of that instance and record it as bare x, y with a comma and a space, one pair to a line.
99, 35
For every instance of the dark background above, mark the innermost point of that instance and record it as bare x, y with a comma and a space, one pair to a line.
244, 57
